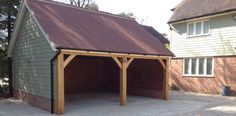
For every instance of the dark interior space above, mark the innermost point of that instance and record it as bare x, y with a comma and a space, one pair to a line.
99, 74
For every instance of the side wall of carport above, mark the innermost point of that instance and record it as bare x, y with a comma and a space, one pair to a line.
89, 74
31, 65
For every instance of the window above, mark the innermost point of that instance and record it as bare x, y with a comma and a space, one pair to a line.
190, 30
186, 66
209, 66
193, 67
201, 66
198, 67
198, 28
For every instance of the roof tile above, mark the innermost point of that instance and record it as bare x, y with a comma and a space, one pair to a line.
71, 27
189, 9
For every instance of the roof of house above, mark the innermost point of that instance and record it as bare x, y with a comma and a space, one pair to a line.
71, 27
189, 9
154, 32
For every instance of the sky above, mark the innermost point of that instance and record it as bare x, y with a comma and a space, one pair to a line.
155, 13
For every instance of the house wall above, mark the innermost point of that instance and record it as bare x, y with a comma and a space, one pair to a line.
220, 45
221, 41
224, 74
31, 65
89, 74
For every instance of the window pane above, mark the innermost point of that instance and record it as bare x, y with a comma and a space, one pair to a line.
190, 29
186, 66
198, 28
201, 66
206, 27
194, 64
209, 66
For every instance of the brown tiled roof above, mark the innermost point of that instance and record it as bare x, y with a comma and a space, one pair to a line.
159, 36
189, 9
71, 27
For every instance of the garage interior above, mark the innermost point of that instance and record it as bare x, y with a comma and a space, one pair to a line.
86, 74
80, 72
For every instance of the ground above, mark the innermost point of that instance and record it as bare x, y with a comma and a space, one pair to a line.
106, 104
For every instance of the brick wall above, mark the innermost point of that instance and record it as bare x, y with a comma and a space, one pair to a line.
224, 74
37, 101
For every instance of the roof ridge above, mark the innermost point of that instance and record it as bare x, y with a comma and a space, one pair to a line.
84, 9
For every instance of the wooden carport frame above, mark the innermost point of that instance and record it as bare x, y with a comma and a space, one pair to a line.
123, 61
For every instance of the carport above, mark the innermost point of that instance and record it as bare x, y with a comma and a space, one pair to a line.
58, 49
123, 61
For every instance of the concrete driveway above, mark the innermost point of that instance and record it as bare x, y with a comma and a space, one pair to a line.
107, 104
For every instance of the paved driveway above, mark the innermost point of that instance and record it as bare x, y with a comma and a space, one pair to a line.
106, 104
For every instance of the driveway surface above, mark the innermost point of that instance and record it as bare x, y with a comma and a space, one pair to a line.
107, 104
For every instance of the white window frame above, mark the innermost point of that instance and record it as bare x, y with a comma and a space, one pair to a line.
197, 67
202, 28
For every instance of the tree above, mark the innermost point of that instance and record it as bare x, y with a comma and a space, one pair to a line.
92, 6
8, 12
127, 14
140, 20
164, 34
88, 4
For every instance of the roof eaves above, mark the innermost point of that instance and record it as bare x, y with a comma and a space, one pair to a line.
170, 55
216, 13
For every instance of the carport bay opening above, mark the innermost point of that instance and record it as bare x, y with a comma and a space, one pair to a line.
84, 71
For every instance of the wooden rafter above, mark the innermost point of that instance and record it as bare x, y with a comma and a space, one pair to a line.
107, 54
129, 62
117, 62
123, 63
162, 63
67, 61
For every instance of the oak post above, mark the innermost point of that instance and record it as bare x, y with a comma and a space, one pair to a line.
166, 80
123, 82
60, 101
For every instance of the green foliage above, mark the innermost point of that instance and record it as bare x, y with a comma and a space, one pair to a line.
3, 90
92, 6
164, 34
8, 7
167, 46
8, 13
127, 14
3, 63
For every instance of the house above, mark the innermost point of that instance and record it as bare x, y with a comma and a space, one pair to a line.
58, 49
204, 40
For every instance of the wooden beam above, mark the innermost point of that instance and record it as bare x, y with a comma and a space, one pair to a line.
117, 62
107, 54
162, 63
129, 62
60, 85
166, 80
123, 82
67, 61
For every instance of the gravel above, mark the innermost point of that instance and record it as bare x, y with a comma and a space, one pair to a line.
107, 104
